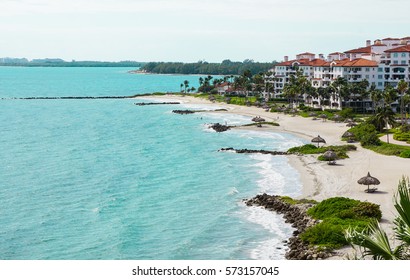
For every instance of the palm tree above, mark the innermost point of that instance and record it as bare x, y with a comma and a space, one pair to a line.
186, 85
339, 88
402, 87
375, 243
389, 95
383, 118
376, 96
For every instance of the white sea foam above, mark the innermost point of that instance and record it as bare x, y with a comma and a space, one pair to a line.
229, 119
278, 231
271, 181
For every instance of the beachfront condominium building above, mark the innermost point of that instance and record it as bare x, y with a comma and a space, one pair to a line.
385, 62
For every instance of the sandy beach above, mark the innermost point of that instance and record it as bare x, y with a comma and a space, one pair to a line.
320, 180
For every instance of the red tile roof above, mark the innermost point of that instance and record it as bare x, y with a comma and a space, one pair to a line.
361, 50
360, 62
303, 62
405, 48
388, 39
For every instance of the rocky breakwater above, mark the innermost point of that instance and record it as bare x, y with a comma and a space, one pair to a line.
183, 112
156, 103
219, 127
294, 214
247, 151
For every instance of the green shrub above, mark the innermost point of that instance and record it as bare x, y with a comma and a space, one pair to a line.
331, 207
366, 210
338, 214
347, 113
405, 154
371, 139
325, 234
305, 149
362, 130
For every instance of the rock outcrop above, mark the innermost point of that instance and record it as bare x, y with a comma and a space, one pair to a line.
247, 151
294, 214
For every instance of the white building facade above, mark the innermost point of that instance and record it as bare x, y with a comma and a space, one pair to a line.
383, 63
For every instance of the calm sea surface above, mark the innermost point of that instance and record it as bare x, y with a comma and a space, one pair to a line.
105, 179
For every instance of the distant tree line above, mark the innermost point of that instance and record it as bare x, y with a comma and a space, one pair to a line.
226, 67
62, 63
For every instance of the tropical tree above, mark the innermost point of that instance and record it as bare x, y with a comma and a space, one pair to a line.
389, 95
186, 85
383, 118
402, 88
339, 88
376, 96
374, 242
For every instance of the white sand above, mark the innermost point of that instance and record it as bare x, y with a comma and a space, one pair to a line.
320, 180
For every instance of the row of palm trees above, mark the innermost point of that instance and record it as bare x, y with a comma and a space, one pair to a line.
340, 89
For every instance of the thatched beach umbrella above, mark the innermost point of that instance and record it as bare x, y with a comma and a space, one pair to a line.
258, 119
351, 124
312, 114
349, 135
337, 118
330, 156
318, 140
368, 180
323, 116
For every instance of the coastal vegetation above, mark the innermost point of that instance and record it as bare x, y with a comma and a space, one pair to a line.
373, 242
337, 215
226, 67
341, 151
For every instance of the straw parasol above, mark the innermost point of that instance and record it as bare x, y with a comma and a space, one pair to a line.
258, 119
330, 156
323, 116
337, 118
369, 180
351, 124
318, 140
349, 135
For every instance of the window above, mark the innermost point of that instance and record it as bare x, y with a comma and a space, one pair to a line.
367, 69
380, 69
403, 62
380, 77
403, 54
395, 62
395, 55
367, 77
380, 84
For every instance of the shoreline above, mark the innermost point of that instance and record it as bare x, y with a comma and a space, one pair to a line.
320, 180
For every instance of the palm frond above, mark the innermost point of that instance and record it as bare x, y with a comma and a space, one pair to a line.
375, 242
402, 203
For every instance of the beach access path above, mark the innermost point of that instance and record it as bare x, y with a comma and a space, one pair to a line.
320, 180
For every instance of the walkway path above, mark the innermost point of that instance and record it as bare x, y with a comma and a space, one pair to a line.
392, 141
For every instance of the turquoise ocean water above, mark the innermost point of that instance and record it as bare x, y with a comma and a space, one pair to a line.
105, 179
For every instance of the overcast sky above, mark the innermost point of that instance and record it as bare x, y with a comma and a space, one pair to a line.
192, 30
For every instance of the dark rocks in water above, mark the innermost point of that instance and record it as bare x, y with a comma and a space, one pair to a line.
183, 112
157, 103
246, 151
297, 216
219, 127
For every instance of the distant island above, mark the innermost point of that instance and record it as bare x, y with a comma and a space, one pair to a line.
57, 62
226, 67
